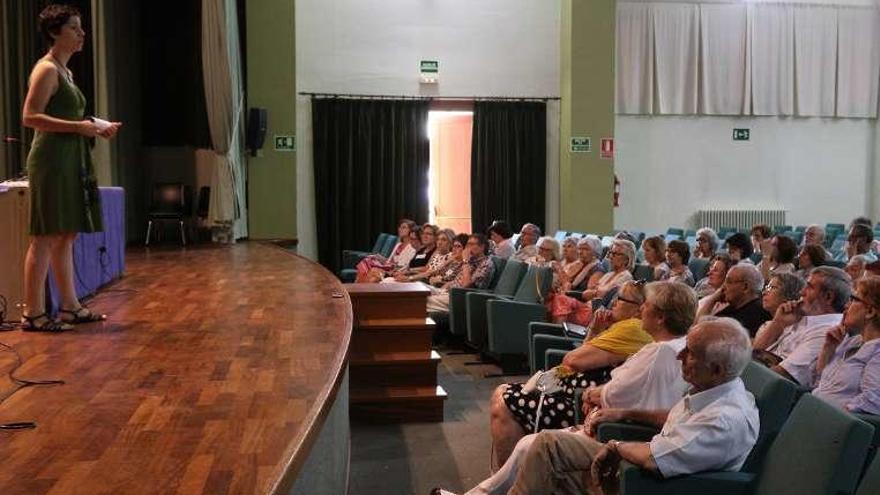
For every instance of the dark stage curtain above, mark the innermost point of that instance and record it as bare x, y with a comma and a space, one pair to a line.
371, 161
21, 45
508, 163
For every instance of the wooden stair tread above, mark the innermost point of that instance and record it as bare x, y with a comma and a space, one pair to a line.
395, 323
392, 394
385, 358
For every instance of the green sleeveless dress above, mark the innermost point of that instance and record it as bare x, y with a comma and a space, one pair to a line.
63, 186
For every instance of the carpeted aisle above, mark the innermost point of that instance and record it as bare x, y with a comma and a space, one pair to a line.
413, 458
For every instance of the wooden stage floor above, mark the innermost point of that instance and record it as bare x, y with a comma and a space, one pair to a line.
211, 375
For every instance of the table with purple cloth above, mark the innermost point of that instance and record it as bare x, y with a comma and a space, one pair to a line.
98, 258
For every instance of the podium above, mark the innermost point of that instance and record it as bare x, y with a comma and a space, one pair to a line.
15, 214
392, 367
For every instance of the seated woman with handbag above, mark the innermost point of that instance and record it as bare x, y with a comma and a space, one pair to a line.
400, 257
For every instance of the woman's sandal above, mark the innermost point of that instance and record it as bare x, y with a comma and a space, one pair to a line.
48, 325
81, 315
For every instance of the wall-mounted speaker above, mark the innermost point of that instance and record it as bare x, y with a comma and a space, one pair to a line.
257, 124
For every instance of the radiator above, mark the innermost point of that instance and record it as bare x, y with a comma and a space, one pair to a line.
740, 219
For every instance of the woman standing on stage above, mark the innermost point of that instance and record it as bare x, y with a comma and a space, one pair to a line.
63, 188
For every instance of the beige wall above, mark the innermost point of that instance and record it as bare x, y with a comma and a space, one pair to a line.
271, 84
587, 109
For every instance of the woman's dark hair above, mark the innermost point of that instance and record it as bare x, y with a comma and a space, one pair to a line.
724, 258
501, 228
816, 254
761, 229
461, 239
680, 248
742, 242
53, 17
786, 249
480, 238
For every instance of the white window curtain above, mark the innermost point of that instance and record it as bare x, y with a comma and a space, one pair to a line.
771, 35
816, 54
634, 59
676, 48
751, 58
725, 86
221, 65
858, 66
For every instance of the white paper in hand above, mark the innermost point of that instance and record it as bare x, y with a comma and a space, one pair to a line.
101, 124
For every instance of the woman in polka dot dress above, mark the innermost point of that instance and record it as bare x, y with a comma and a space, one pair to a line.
615, 334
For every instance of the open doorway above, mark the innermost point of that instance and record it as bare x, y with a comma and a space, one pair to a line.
449, 183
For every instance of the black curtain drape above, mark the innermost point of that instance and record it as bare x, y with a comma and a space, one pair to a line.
508, 163
21, 45
371, 161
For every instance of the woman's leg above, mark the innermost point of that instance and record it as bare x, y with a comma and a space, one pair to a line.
36, 268
62, 269
506, 431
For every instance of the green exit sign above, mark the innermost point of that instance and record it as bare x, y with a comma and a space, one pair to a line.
740, 134
581, 144
285, 143
429, 66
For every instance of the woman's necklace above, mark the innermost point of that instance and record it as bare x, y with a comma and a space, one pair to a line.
64, 70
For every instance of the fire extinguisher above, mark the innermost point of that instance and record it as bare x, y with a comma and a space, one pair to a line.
616, 191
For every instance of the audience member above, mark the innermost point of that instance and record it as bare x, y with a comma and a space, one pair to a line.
780, 256
500, 233
567, 461
780, 289
858, 241
650, 378
814, 235
707, 243
622, 257
569, 262
476, 271
547, 252
655, 255
811, 256
739, 247
739, 298
848, 367
443, 254
760, 235
855, 267
677, 256
714, 277
528, 237
794, 337
613, 336
589, 249
374, 267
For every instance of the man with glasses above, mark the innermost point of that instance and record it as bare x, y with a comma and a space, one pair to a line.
859, 240
795, 335
739, 298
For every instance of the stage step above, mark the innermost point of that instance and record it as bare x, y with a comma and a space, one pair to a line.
397, 404
395, 368
392, 335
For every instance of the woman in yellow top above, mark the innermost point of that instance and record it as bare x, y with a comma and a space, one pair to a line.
614, 335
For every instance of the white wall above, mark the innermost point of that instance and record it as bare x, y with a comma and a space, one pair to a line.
485, 48
820, 170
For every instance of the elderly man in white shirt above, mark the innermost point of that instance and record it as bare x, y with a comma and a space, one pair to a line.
714, 427
528, 238
792, 340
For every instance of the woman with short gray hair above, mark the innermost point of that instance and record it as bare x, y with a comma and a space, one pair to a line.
707, 243
781, 288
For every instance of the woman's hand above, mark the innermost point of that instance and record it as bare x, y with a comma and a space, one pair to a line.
111, 131
590, 294
88, 129
834, 337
